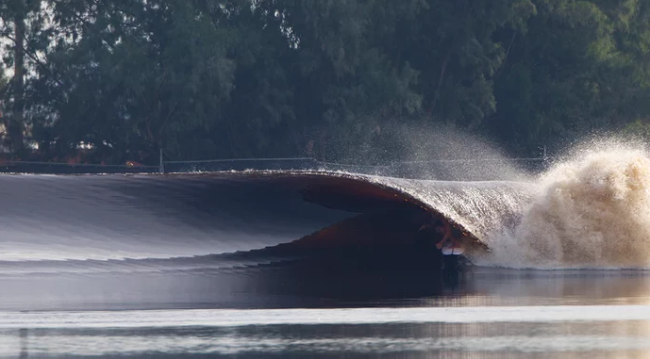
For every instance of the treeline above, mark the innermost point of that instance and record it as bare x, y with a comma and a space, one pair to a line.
117, 80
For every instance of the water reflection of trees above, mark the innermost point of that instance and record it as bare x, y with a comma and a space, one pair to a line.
24, 344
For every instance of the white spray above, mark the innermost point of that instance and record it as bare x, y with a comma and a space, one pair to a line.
592, 211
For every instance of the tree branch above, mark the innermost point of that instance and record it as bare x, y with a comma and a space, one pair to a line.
505, 58
84, 24
35, 58
443, 70
166, 120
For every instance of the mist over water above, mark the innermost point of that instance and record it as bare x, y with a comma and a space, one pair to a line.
440, 152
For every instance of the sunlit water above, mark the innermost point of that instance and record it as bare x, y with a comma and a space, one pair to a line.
486, 314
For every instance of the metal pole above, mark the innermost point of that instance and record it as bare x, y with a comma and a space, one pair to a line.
161, 167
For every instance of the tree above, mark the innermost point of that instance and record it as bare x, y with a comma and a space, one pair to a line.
451, 45
581, 66
4, 84
340, 81
136, 76
207, 79
20, 22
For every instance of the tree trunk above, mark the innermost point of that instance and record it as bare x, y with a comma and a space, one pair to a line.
443, 70
15, 130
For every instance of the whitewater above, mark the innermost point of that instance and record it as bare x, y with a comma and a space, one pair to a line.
592, 211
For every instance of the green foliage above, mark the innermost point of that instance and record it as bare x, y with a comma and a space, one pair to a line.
214, 78
638, 129
135, 77
575, 70
4, 85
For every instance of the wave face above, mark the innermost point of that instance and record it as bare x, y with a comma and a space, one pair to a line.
143, 216
592, 211
100, 223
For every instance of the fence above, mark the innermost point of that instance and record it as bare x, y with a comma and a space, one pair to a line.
67, 168
397, 168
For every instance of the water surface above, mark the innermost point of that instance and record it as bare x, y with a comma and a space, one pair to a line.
487, 313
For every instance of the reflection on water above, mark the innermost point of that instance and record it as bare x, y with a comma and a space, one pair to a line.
485, 314
327, 287
407, 340
24, 344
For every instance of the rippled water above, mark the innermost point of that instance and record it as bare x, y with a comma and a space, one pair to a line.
486, 314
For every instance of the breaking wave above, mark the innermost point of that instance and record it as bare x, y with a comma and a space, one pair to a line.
590, 211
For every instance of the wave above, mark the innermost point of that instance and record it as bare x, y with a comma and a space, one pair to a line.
591, 211
151, 216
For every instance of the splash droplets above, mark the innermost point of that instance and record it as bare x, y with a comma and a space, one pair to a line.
592, 211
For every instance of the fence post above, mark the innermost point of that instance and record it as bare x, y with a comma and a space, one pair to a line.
161, 166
